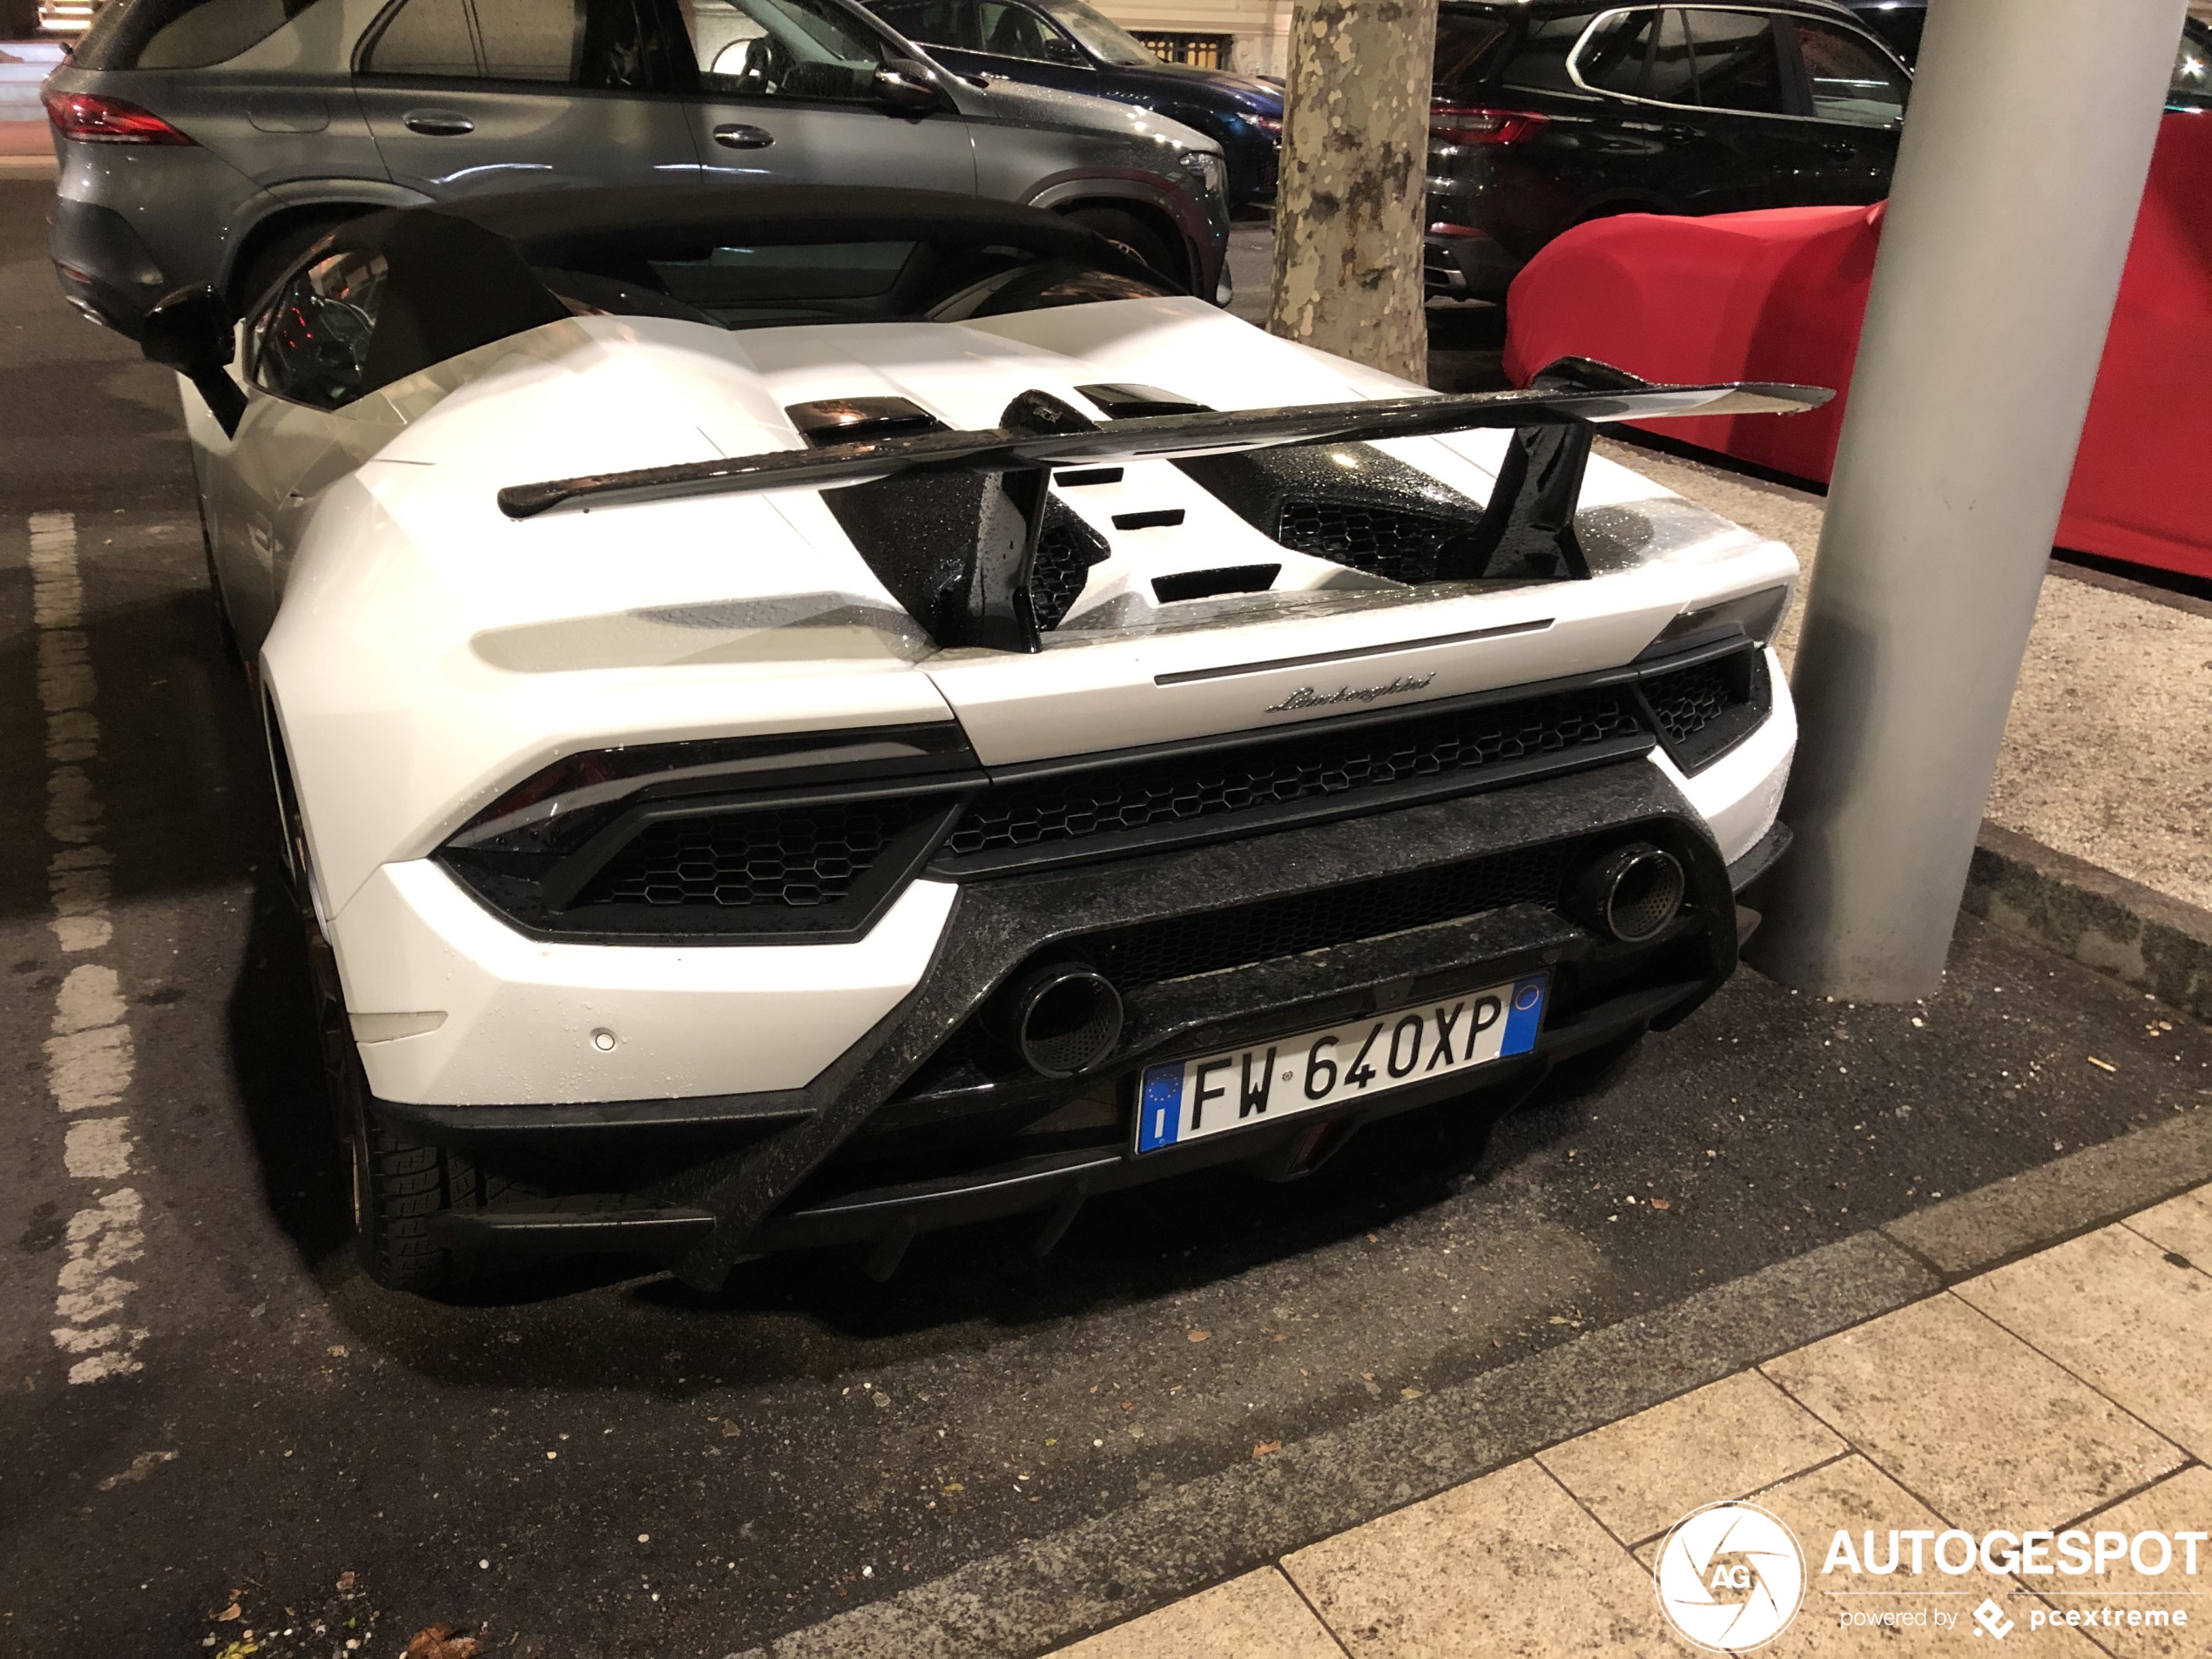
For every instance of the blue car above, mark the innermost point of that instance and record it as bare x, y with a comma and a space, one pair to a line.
1066, 45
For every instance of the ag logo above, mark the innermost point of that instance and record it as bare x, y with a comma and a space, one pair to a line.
1731, 1577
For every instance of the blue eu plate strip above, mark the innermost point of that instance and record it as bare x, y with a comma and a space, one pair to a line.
1159, 1106
1524, 1014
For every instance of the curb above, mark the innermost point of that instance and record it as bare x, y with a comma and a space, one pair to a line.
2097, 919
1054, 1589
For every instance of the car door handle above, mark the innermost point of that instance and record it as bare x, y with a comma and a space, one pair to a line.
437, 123
737, 136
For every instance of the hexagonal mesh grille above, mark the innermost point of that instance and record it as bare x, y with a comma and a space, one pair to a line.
1383, 540
1689, 700
1256, 933
1294, 767
790, 856
1067, 548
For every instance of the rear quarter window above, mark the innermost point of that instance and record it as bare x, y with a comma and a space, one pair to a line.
1538, 63
182, 34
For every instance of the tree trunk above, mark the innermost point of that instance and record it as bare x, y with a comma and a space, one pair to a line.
1349, 209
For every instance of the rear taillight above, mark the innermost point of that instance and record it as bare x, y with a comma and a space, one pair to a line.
1455, 123
92, 119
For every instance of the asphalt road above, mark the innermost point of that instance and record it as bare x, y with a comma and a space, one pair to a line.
597, 1461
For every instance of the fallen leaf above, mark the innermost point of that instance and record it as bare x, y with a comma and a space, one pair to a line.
1267, 1446
953, 1485
1199, 1336
1663, 1204
440, 1641
347, 1580
233, 1611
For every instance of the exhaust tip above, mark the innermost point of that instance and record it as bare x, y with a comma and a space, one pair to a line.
1061, 1019
1631, 893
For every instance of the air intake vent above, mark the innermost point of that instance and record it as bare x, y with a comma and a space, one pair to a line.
1300, 765
1703, 710
1067, 548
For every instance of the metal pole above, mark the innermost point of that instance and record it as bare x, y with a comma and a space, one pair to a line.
2018, 179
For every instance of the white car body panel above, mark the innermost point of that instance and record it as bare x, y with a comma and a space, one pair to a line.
428, 652
528, 1021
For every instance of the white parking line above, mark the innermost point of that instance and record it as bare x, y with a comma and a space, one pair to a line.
89, 1057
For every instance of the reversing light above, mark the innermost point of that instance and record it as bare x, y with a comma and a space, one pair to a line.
1758, 615
86, 118
527, 816
1461, 123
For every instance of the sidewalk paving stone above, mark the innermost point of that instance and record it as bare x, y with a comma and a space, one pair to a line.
2183, 1503
1641, 1474
1987, 1431
2004, 1404
1258, 1616
2112, 1309
1509, 1565
2183, 1226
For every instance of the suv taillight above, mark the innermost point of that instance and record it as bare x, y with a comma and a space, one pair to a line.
1455, 123
92, 119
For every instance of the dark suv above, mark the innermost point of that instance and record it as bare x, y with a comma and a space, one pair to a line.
1067, 45
1549, 112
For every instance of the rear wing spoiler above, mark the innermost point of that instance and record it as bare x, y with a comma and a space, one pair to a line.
1532, 506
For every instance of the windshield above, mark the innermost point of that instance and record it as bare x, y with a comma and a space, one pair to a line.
1101, 36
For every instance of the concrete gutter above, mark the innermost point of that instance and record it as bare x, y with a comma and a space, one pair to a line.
2102, 920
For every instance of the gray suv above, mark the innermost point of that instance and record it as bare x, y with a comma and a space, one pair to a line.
214, 140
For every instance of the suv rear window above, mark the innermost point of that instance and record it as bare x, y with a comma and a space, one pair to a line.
179, 34
1466, 49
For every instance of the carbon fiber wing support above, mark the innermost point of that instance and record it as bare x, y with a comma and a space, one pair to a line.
984, 599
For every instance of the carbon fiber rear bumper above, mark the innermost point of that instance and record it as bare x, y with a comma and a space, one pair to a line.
707, 1182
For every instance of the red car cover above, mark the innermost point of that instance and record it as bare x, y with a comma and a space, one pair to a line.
1779, 296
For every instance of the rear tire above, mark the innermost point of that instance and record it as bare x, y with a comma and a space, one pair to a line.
1134, 237
399, 1187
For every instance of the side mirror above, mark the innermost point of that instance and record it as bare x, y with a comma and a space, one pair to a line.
190, 331
906, 87
1059, 51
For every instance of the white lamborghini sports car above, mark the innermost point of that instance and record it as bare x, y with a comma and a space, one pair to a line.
807, 715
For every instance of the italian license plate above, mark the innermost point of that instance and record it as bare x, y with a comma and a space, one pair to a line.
1188, 1100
